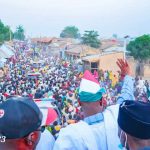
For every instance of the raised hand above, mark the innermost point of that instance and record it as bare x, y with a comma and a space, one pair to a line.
124, 67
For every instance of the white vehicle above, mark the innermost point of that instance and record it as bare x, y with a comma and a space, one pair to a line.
46, 105
34, 75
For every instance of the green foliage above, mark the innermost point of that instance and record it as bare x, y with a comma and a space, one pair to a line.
140, 47
91, 38
5, 32
114, 36
70, 32
19, 33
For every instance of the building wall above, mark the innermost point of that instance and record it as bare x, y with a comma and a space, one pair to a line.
108, 61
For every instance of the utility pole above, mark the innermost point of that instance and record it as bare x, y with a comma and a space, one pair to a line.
9, 34
125, 45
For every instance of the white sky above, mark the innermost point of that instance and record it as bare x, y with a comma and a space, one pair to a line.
49, 17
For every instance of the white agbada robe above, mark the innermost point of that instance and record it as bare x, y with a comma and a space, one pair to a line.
46, 141
100, 136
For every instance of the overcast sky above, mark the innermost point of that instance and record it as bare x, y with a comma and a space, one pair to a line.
49, 17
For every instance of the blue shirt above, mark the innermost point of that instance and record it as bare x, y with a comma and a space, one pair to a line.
127, 92
94, 119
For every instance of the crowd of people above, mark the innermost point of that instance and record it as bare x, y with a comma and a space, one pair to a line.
81, 100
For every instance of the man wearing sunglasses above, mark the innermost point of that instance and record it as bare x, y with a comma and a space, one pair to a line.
20, 126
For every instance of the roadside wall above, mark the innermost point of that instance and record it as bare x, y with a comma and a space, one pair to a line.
108, 62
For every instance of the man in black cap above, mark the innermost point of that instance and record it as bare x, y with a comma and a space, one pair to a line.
20, 126
134, 124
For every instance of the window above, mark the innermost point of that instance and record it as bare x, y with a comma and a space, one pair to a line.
94, 66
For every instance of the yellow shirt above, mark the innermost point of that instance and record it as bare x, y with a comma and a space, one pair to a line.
57, 128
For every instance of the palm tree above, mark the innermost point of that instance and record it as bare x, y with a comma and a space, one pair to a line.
91, 38
20, 29
19, 33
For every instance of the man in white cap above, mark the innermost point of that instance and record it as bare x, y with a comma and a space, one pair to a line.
99, 129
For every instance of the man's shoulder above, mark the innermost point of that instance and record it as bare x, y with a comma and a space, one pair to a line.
112, 110
113, 106
46, 141
74, 130
76, 136
74, 126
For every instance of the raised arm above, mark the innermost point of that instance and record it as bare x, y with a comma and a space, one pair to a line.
127, 92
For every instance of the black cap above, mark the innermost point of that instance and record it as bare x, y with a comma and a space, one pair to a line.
19, 116
134, 118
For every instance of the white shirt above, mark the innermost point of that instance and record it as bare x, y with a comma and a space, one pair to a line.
141, 83
46, 141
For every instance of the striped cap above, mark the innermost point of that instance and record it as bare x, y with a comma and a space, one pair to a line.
90, 90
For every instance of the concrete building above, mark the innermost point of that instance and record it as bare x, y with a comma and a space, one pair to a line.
74, 52
104, 61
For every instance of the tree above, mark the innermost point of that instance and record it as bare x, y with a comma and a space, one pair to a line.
70, 32
5, 32
91, 38
19, 33
140, 48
